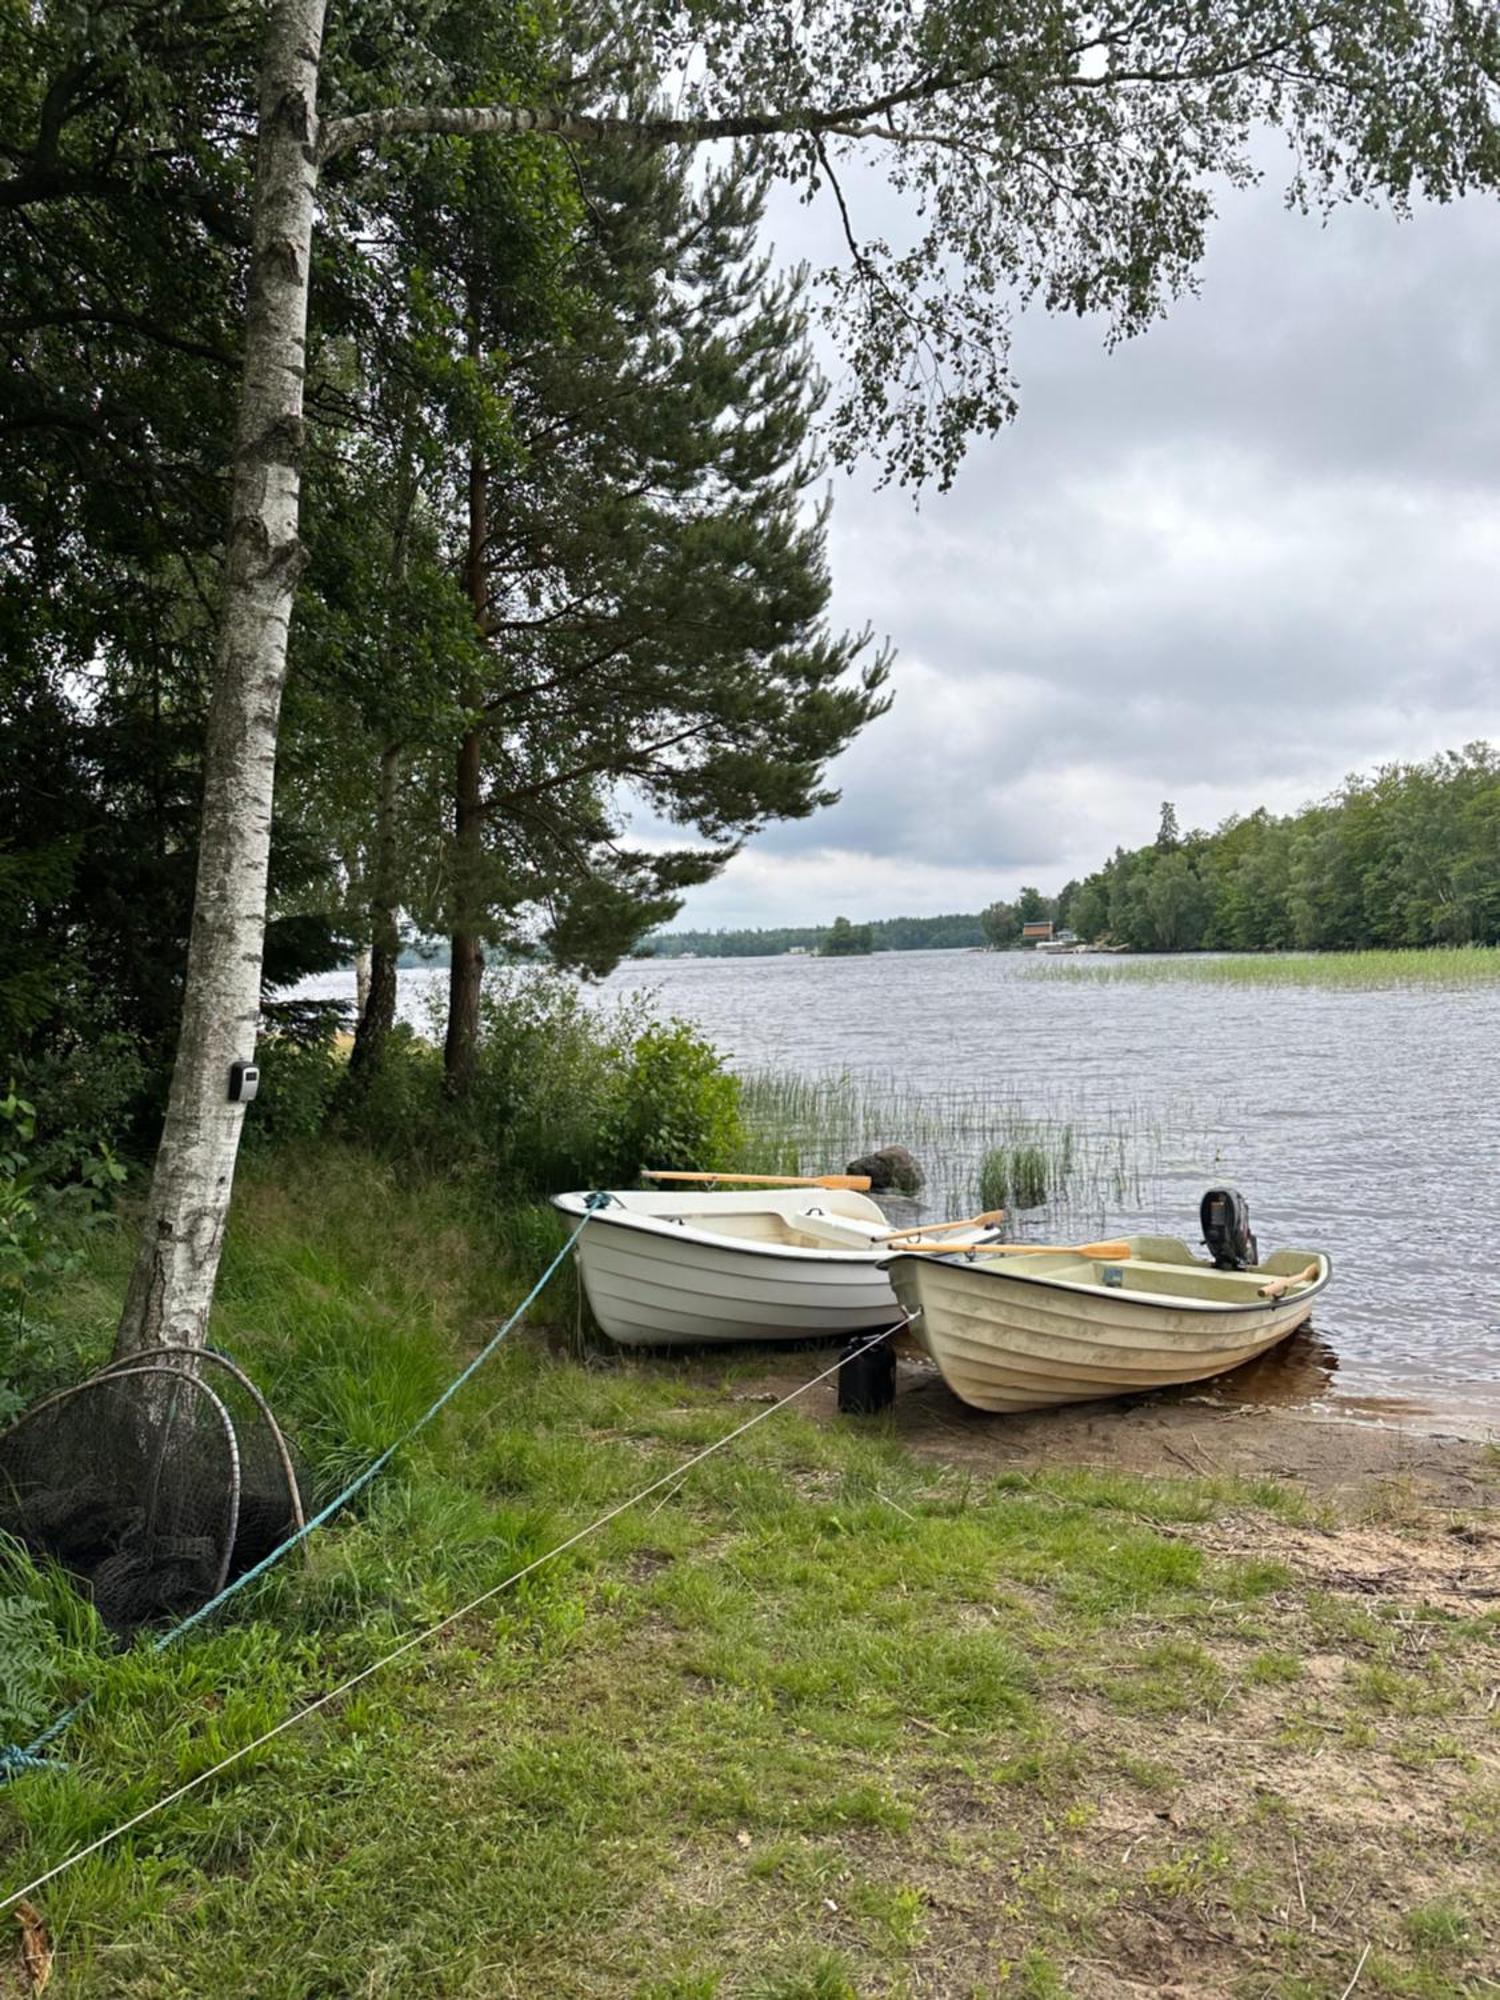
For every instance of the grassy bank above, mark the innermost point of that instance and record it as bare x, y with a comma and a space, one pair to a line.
825, 1720
1458, 967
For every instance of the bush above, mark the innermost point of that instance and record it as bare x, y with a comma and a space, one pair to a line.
679, 1106
42, 1224
298, 1082
565, 1095
549, 1078
89, 1082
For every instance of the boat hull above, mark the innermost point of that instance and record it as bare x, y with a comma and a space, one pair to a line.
650, 1285
1011, 1342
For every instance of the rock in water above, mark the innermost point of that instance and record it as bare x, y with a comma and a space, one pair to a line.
891, 1169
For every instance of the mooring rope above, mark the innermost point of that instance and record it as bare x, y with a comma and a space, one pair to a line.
15, 1758
443, 1624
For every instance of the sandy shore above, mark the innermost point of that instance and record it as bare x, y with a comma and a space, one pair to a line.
1350, 1460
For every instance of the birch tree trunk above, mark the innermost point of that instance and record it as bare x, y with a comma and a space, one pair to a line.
466, 947
171, 1288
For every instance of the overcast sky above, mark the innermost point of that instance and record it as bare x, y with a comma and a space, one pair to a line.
1226, 564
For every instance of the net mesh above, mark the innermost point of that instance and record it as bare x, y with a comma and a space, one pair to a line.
154, 1483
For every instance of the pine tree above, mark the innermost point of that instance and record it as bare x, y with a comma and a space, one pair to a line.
647, 582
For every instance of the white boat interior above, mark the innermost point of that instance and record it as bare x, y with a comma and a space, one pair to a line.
782, 1219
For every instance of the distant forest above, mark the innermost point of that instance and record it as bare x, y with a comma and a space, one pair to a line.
1408, 856
890, 934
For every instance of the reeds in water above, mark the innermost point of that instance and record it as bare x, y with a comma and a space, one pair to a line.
1063, 1159
1457, 966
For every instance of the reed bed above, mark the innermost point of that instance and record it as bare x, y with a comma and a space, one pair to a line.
1456, 967
1055, 1160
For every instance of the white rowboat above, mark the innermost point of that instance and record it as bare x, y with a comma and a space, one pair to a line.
673, 1269
1026, 1333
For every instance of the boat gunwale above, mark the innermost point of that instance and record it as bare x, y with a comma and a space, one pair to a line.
1165, 1301
682, 1231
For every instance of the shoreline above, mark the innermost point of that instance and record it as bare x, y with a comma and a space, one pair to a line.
1324, 1452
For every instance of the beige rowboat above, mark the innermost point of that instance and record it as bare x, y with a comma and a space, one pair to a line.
1026, 1333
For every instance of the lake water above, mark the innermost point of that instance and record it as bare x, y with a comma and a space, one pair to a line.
1366, 1124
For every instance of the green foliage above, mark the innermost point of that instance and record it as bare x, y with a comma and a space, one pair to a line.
28, 1665
548, 1077
1407, 858
944, 933
47, 1630
1013, 1177
1452, 968
1002, 925
42, 1225
678, 1105
299, 1081
123, 242
846, 940
1440, 1930
566, 1094
649, 588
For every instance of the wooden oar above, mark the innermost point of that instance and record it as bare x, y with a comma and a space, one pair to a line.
939, 1228
857, 1183
1279, 1287
1108, 1253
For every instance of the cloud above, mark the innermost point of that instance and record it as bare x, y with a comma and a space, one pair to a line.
1227, 564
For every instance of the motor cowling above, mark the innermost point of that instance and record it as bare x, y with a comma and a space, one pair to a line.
1224, 1215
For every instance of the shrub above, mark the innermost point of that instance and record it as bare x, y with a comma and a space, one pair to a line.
90, 1083
298, 1081
548, 1083
392, 1108
565, 1095
42, 1223
679, 1106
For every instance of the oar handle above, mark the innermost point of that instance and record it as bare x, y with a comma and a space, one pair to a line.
855, 1183
981, 1221
1107, 1253
1279, 1287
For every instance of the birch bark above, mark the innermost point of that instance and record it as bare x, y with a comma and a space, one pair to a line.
171, 1288
466, 946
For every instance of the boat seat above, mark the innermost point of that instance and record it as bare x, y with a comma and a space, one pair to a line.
840, 1232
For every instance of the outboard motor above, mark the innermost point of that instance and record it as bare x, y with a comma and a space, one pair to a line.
1224, 1216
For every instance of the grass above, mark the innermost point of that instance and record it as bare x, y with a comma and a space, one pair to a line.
824, 1720
1450, 967
1073, 1160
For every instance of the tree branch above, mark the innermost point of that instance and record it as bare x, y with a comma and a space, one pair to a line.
851, 121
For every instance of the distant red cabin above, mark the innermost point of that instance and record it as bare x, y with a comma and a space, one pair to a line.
1037, 933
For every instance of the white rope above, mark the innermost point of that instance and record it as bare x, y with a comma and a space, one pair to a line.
432, 1631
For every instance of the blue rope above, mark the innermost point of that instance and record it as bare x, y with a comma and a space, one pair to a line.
14, 1759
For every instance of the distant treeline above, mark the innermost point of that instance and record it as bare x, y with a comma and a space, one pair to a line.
890, 934
1410, 856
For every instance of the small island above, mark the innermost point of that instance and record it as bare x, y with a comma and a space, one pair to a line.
846, 940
